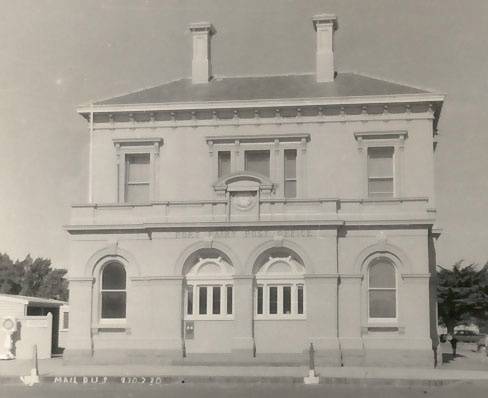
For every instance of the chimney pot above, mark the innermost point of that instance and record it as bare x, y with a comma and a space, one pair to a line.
325, 26
201, 65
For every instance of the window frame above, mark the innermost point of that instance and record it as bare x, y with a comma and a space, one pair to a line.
293, 279
377, 139
220, 174
128, 183
276, 144
262, 151
64, 309
196, 285
103, 320
392, 177
266, 284
222, 279
382, 320
125, 147
290, 179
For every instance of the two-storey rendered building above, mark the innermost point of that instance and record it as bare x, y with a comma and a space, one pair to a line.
243, 218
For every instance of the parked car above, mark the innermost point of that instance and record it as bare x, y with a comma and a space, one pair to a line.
468, 336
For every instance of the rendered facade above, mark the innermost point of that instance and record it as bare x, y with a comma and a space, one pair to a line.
243, 218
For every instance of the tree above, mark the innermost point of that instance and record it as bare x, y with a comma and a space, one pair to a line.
462, 294
30, 277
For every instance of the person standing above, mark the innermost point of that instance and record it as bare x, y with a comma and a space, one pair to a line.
453, 341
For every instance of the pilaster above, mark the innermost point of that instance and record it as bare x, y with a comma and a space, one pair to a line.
243, 340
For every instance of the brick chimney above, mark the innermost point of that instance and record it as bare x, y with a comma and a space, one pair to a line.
325, 26
201, 67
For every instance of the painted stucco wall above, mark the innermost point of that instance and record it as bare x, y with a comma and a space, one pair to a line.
154, 314
335, 254
186, 169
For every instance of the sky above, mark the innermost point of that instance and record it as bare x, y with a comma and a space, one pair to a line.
58, 54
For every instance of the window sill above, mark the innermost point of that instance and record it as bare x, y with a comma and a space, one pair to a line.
209, 318
392, 327
111, 327
280, 318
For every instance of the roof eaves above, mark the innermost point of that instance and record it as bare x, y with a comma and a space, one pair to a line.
190, 105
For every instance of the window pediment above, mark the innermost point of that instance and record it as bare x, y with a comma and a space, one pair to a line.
244, 181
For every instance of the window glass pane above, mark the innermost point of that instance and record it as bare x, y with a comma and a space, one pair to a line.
382, 275
290, 163
286, 299
137, 167
113, 305
380, 162
257, 161
189, 300
216, 300
260, 299
290, 189
300, 299
273, 300
229, 300
382, 304
137, 193
65, 320
380, 187
202, 300
224, 163
113, 277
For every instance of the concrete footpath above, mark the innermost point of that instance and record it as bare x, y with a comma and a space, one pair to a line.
54, 371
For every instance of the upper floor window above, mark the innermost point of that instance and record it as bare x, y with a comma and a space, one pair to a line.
381, 172
382, 162
137, 169
290, 175
224, 163
382, 290
281, 158
257, 162
113, 292
137, 177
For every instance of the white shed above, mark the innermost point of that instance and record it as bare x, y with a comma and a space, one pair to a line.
38, 322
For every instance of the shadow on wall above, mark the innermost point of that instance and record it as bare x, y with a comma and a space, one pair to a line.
16, 337
433, 301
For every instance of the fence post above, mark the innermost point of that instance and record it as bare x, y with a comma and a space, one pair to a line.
312, 377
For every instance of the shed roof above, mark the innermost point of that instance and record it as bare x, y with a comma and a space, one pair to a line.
33, 301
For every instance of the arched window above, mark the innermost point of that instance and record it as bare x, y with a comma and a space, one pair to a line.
209, 290
382, 290
113, 292
280, 289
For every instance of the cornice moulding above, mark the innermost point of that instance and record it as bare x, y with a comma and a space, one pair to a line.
147, 227
360, 100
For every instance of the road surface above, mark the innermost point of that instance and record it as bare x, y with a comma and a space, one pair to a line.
465, 389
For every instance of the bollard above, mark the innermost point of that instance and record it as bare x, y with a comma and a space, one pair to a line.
35, 363
312, 377
33, 378
311, 358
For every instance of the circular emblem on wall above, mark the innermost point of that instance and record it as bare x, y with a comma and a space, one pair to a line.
244, 200
8, 324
